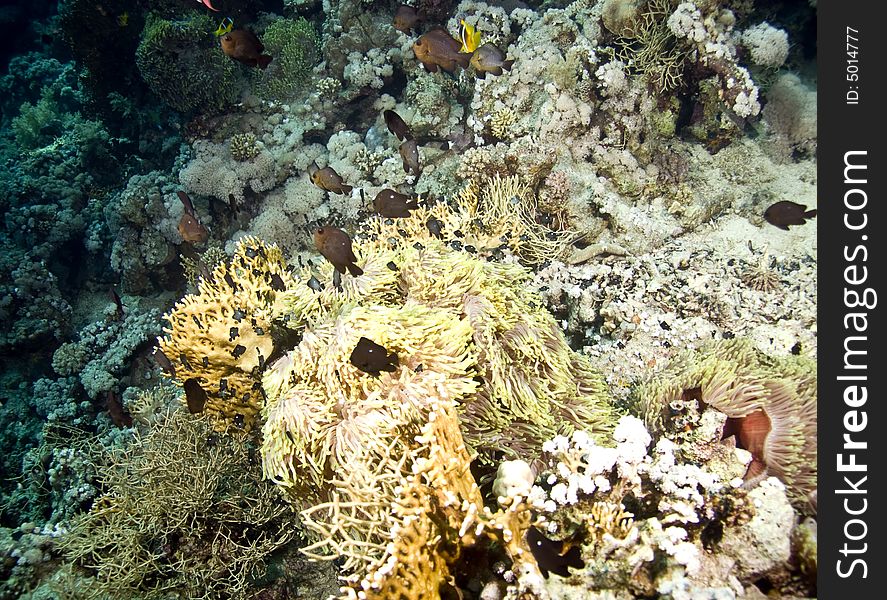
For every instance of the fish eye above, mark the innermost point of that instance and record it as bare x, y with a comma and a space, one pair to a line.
320, 230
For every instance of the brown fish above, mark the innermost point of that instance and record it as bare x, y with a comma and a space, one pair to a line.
409, 152
391, 204
437, 48
397, 126
163, 362
406, 18
785, 213
118, 414
553, 555
489, 59
189, 226
195, 395
327, 179
335, 246
372, 358
243, 45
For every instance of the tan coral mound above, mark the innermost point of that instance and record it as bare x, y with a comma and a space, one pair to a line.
221, 336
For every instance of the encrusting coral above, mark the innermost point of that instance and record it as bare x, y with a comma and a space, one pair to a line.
770, 404
221, 336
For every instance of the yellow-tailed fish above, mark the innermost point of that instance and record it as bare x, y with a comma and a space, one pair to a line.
225, 26
123, 19
470, 37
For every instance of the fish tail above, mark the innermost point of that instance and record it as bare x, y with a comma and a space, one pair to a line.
507, 64
463, 58
354, 270
572, 558
263, 61
810, 214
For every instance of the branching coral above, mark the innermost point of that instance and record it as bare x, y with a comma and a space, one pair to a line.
649, 47
185, 511
770, 404
221, 336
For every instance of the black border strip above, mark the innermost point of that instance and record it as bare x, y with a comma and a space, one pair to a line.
851, 254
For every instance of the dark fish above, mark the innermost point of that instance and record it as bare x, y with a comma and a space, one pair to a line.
406, 18
437, 48
409, 152
435, 227
397, 126
118, 415
370, 357
335, 246
195, 395
163, 362
785, 213
314, 284
186, 202
189, 227
389, 203
242, 45
489, 59
552, 555
327, 179
277, 283
118, 303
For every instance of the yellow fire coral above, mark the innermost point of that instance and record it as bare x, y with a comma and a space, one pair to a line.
770, 405
221, 336
379, 463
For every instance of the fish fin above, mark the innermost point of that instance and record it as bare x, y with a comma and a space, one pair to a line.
507, 64
810, 214
463, 58
481, 74
186, 202
263, 60
783, 227
346, 189
412, 204
573, 558
430, 67
354, 270
497, 71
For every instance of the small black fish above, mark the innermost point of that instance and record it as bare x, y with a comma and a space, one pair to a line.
370, 357
435, 227
551, 555
785, 213
118, 303
397, 126
277, 283
195, 395
314, 284
163, 362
